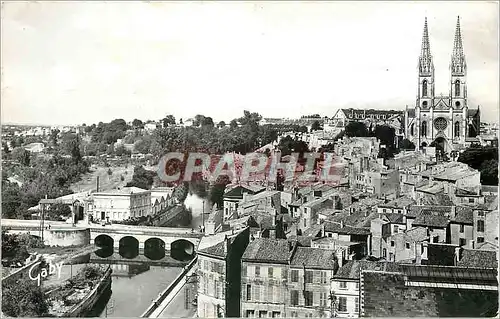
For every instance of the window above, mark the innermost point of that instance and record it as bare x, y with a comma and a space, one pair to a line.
256, 295
270, 293
308, 297
457, 129
257, 271
323, 277
391, 256
480, 214
412, 129
322, 299
294, 297
263, 314
392, 243
295, 275
343, 285
270, 272
471, 200
244, 271
462, 228
396, 229
407, 245
250, 313
424, 88
457, 88
384, 253
463, 242
249, 292
356, 304
440, 123
309, 277
480, 240
436, 239
276, 314
480, 225
293, 314
424, 128
357, 286
342, 305
284, 273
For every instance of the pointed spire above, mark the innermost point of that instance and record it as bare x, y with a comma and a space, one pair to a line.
458, 49
458, 64
425, 60
426, 47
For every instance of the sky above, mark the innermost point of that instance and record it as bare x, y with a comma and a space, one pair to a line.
86, 62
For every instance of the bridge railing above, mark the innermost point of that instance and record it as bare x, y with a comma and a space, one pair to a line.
164, 294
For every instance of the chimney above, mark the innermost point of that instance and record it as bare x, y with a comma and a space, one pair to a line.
97, 185
226, 245
453, 212
341, 224
457, 255
323, 230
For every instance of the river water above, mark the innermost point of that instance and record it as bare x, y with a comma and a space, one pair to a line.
137, 282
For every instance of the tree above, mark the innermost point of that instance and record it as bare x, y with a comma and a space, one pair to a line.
406, 144
198, 119
489, 172
356, 129
221, 124
21, 155
142, 178
233, 124
54, 136
58, 212
11, 198
5, 148
24, 298
316, 126
207, 122
137, 123
168, 120
121, 150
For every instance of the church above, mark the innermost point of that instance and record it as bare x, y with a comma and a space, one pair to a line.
446, 122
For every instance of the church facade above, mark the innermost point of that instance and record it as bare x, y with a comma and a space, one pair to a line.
446, 122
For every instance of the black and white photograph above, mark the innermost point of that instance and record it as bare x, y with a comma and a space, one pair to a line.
249, 159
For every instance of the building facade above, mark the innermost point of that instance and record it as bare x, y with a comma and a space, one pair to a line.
444, 121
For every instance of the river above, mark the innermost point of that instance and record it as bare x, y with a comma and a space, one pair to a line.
137, 282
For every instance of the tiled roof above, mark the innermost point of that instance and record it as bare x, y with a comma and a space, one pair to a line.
347, 230
353, 268
463, 215
399, 202
313, 258
395, 218
215, 250
267, 250
304, 241
431, 220
415, 210
478, 258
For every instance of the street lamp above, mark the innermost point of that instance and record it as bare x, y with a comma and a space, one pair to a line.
333, 304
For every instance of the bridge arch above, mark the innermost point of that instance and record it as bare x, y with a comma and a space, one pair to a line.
154, 248
105, 244
128, 247
182, 249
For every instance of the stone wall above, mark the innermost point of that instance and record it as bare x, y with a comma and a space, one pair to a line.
385, 295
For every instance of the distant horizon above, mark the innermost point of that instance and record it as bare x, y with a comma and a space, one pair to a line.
69, 63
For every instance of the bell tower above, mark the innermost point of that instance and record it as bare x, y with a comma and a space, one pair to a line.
425, 73
458, 68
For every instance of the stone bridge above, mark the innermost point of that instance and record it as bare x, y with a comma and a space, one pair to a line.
111, 236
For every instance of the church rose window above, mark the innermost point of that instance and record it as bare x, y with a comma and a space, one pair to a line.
440, 123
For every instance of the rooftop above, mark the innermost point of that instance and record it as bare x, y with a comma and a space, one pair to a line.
267, 250
478, 258
345, 229
352, 269
313, 258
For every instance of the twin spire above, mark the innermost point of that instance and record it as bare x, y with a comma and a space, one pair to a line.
457, 59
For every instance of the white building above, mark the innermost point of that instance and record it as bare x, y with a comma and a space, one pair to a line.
121, 204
